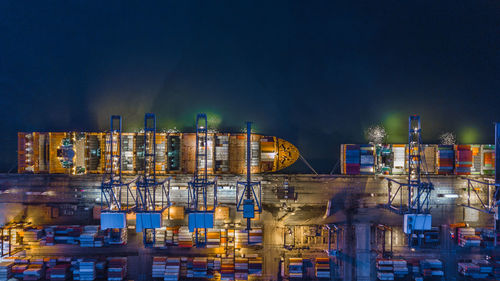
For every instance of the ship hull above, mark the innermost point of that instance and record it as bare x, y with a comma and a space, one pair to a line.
89, 153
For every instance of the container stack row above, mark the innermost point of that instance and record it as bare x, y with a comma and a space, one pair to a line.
62, 268
85, 236
467, 237
389, 269
392, 159
240, 268
476, 269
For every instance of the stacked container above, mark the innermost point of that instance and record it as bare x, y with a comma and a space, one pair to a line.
88, 236
86, 270
463, 159
159, 264
399, 156
400, 268
241, 269
322, 268
231, 238
241, 238
476, 159
32, 236
488, 160
59, 272
295, 268
183, 267
367, 159
6, 270
213, 238
227, 269
127, 147
185, 237
172, 269
34, 272
117, 268
446, 156
255, 266
477, 269
429, 160
172, 236
160, 237
495, 263
18, 270
255, 236
200, 267
350, 158
222, 153
385, 270
431, 268
467, 237
488, 238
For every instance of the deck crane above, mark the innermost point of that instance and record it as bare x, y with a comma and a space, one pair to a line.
113, 209
148, 209
416, 214
200, 209
250, 196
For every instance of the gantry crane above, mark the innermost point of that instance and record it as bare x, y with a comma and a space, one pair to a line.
200, 207
113, 209
491, 204
416, 213
250, 196
148, 209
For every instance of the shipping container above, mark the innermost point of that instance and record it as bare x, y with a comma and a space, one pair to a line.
476, 159
400, 159
367, 159
446, 159
488, 160
429, 159
350, 159
463, 159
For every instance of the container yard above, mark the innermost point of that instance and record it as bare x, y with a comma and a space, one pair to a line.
205, 206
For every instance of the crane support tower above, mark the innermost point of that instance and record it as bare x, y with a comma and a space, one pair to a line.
416, 213
249, 199
113, 209
148, 209
490, 204
200, 209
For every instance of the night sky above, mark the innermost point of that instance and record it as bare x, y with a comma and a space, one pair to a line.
314, 73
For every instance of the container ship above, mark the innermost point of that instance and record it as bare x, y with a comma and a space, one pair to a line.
392, 159
88, 153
